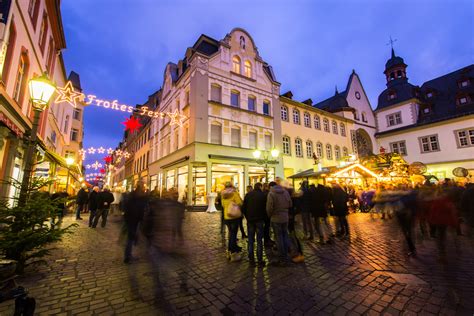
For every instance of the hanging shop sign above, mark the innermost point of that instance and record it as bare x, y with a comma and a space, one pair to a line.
15, 129
69, 95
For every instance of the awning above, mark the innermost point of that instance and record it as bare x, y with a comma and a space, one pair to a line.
53, 157
310, 173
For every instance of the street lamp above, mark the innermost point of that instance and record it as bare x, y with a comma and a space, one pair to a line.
264, 158
41, 90
69, 162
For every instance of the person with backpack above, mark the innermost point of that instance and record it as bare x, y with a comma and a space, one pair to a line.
231, 204
254, 210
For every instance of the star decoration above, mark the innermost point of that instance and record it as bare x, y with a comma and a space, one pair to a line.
88, 166
119, 159
67, 94
91, 150
82, 152
102, 170
176, 118
126, 155
110, 151
101, 150
119, 152
108, 159
132, 124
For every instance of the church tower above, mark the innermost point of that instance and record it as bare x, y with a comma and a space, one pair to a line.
395, 70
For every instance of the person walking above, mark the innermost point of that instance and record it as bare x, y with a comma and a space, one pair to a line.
105, 199
339, 202
254, 210
81, 201
278, 204
231, 203
305, 208
134, 210
114, 207
319, 211
93, 204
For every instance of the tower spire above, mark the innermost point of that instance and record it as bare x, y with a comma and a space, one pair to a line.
391, 44
337, 92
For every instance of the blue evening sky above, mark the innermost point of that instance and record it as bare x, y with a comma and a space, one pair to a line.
120, 48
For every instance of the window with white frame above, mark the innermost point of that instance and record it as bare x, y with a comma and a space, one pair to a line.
296, 116
317, 122
465, 138
328, 152
342, 126
236, 64
284, 113
216, 93
76, 114
235, 98
286, 145
268, 141
251, 103
345, 152
429, 143
235, 136
216, 134
334, 127
326, 125
337, 153
298, 147
266, 107
309, 149
394, 119
307, 119
319, 150
248, 69
399, 147
252, 139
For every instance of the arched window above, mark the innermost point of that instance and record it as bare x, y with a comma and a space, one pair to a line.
66, 124
216, 133
334, 127
343, 129
235, 98
364, 117
268, 141
326, 125
356, 115
329, 152
392, 76
319, 150
235, 136
21, 78
317, 122
345, 152
296, 116
266, 107
284, 113
251, 103
253, 139
337, 153
309, 149
307, 119
286, 145
236, 64
248, 69
399, 74
216, 93
298, 148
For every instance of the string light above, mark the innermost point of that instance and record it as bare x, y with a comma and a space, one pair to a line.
102, 150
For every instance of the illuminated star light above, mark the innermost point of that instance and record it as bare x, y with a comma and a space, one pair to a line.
110, 151
176, 118
101, 150
132, 124
91, 150
67, 94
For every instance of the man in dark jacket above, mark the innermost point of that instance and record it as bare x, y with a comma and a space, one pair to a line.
278, 204
319, 200
339, 202
60, 198
105, 199
81, 201
254, 210
93, 204
305, 208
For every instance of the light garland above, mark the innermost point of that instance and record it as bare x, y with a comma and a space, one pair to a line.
96, 165
102, 150
69, 95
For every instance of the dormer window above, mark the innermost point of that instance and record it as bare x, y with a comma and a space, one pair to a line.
463, 100
464, 83
392, 96
236, 64
429, 95
426, 110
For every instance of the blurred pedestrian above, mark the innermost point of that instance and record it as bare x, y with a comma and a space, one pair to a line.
339, 202
114, 207
467, 208
278, 204
135, 207
231, 203
60, 199
93, 204
254, 210
306, 201
81, 201
319, 200
104, 200
268, 242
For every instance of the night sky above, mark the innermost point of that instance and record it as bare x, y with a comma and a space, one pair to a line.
120, 48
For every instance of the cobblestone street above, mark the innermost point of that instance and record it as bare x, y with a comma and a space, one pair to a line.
368, 274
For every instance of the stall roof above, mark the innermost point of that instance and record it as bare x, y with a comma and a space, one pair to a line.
310, 173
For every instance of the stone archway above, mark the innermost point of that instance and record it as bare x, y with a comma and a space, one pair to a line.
364, 143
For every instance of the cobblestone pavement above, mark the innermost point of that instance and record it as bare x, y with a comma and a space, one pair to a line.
367, 274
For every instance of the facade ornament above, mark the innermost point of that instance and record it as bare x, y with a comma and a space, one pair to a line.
3, 135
